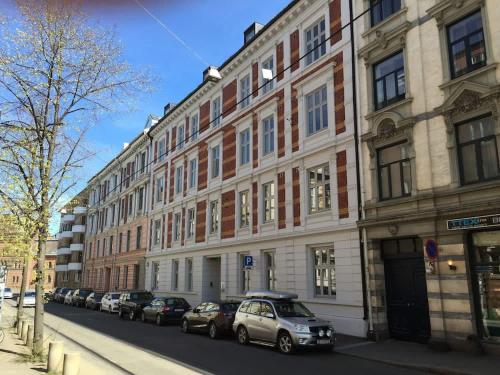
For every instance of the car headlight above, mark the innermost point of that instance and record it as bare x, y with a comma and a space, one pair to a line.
301, 328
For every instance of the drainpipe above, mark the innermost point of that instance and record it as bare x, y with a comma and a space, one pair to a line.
365, 275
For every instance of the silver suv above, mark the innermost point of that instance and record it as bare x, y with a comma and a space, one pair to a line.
275, 319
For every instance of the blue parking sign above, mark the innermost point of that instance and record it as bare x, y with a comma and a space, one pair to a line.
248, 261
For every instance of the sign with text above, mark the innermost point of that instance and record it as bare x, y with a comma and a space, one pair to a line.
474, 222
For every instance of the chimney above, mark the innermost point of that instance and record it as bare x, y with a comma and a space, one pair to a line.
250, 33
211, 74
168, 107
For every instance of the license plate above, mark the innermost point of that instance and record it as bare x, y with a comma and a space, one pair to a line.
179, 310
323, 341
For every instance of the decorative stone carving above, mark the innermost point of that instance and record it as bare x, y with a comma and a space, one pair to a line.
467, 101
381, 39
393, 229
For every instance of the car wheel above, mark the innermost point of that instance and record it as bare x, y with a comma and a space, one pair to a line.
100, 308
120, 313
109, 309
131, 315
285, 344
185, 326
213, 331
242, 335
158, 320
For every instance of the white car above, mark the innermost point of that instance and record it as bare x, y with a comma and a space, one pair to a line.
29, 299
68, 298
7, 293
109, 302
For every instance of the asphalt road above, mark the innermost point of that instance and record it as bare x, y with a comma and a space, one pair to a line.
223, 356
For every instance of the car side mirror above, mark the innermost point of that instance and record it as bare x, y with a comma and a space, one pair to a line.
269, 315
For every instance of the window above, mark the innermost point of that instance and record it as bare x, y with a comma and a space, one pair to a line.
244, 209
138, 237
244, 276
245, 91
136, 274
324, 272
155, 275
111, 238
140, 202
193, 173
319, 188
194, 127
180, 136
177, 226
268, 198
389, 81
120, 242
157, 232
159, 189
268, 135
317, 111
128, 240
189, 274
477, 150
315, 41
161, 149
175, 274
125, 278
216, 107
381, 9
270, 270
215, 161
130, 203
191, 223
245, 147
268, 83
142, 162
466, 45
214, 217
394, 171
178, 179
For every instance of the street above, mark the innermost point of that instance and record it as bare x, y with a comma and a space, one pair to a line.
222, 356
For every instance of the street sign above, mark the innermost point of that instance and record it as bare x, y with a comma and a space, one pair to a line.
474, 222
248, 261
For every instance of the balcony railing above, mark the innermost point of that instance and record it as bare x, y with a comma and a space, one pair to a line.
61, 267
63, 251
68, 218
74, 266
80, 210
78, 228
76, 247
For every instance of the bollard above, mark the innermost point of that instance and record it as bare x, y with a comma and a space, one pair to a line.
71, 364
20, 326
24, 334
29, 338
55, 360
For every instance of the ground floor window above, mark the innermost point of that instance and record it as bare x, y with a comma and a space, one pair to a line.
324, 272
270, 270
189, 274
244, 276
155, 275
175, 274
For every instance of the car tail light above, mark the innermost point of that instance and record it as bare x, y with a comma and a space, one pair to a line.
165, 309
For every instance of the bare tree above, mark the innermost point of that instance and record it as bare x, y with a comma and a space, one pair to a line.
58, 73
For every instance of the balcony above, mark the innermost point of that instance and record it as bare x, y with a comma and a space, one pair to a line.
74, 266
63, 251
68, 218
76, 247
65, 234
79, 210
79, 228
61, 267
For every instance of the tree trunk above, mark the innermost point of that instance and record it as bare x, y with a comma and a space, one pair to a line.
24, 282
40, 280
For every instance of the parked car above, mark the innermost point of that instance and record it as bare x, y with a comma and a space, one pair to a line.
165, 310
7, 293
132, 303
93, 301
109, 302
29, 299
80, 296
59, 296
53, 293
68, 298
215, 318
269, 317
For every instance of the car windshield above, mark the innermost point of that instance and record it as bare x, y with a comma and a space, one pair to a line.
29, 294
143, 295
291, 309
7, 289
230, 306
85, 292
115, 296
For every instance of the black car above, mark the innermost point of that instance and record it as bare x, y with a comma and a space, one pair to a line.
215, 318
93, 301
80, 296
165, 310
59, 296
131, 303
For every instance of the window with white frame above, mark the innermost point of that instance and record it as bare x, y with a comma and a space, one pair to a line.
159, 189
155, 275
324, 272
191, 223
268, 201
319, 188
180, 136
245, 147
315, 41
179, 179
216, 112
268, 135
175, 274
215, 156
245, 91
193, 173
142, 161
177, 227
157, 233
270, 270
244, 209
189, 274
161, 149
140, 202
268, 83
214, 217
194, 127
244, 275
317, 110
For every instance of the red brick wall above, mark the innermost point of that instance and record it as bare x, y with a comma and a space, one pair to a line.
227, 214
229, 98
255, 140
335, 22
204, 116
255, 207
202, 165
169, 230
280, 65
173, 143
186, 130
201, 217
296, 196
229, 153
338, 87
294, 51
255, 79
281, 124
295, 120
342, 184
281, 201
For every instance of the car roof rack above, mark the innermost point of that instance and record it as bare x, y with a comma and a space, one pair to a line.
271, 294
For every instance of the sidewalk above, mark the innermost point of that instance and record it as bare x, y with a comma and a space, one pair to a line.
420, 357
11, 356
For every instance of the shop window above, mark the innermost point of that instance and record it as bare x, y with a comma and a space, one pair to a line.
394, 171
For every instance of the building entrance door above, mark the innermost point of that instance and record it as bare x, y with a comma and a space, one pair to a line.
406, 290
211, 278
107, 278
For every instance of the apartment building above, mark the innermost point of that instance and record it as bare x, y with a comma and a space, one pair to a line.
429, 102
71, 238
254, 179
118, 225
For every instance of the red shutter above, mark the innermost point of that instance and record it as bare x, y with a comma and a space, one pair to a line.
229, 98
186, 131
185, 177
204, 116
281, 124
255, 140
296, 196
280, 65
183, 226
255, 79
335, 22
255, 207
295, 120
343, 198
172, 182
165, 181
201, 213
294, 51
281, 201
202, 165
227, 214
169, 230
338, 88
173, 142
229, 153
